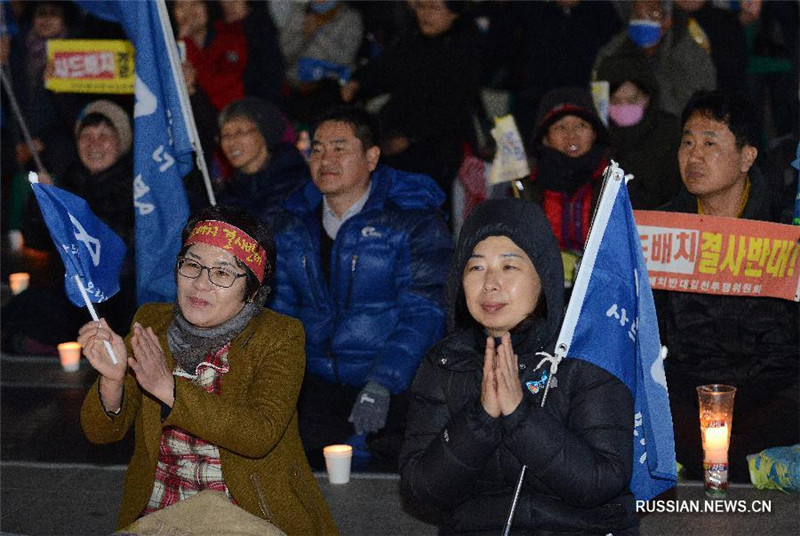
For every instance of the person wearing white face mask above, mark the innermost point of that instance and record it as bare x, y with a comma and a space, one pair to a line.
645, 138
679, 64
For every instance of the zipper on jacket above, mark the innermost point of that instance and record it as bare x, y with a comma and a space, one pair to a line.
307, 268
353, 263
262, 498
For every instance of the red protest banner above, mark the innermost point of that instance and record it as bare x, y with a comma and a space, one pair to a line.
713, 255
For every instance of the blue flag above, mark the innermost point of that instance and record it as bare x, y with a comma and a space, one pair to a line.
313, 70
88, 247
162, 147
611, 322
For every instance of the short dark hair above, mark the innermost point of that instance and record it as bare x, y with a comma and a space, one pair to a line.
250, 225
365, 127
732, 109
95, 119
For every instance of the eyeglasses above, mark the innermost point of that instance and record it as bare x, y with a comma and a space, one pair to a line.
218, 276
236, 134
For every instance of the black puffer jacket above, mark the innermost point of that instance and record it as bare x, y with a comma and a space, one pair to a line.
578, 449
731, 339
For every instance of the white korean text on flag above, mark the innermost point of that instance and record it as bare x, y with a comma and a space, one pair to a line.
88, 247
162, 149
611, 322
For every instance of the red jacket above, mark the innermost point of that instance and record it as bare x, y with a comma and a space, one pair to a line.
570, 214
221, 64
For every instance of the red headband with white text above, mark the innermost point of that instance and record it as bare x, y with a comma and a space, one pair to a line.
232, 239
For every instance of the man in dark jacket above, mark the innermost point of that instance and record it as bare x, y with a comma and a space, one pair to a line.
751, 343
362, 257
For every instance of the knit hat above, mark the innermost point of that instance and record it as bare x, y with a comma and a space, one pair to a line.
264, 115
118, 118
563, 101
526, 225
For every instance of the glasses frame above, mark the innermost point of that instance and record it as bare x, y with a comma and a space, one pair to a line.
208, 269
237, 134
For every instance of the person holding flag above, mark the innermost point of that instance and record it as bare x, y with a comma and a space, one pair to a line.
41, 318
476, 417
210, 383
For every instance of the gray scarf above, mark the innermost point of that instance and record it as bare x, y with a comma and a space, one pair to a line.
190, 344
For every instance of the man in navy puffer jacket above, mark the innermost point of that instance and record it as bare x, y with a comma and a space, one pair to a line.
363, 252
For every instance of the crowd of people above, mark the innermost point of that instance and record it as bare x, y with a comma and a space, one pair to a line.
333, 132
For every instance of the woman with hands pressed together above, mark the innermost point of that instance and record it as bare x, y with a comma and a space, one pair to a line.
211, 385
476, 414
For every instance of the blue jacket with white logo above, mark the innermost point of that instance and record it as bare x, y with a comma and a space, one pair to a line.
383, 307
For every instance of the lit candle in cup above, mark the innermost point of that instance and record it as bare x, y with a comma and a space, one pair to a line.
70, 355
716, 420
716, 444
18, 281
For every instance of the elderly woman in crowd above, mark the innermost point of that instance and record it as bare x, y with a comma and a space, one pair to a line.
40, 318
267, 169
476, 414
210, 383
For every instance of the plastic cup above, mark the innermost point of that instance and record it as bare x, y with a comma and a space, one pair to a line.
716, 423
18, 281
337, 461
70, 355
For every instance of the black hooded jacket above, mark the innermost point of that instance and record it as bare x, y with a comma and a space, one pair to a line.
578, 448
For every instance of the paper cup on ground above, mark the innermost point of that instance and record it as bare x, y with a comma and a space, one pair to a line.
18, 281
70, 355
337, 461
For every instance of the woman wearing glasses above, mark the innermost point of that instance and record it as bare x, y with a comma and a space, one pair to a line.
211, 384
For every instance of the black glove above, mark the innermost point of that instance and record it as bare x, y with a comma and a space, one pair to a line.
370, 410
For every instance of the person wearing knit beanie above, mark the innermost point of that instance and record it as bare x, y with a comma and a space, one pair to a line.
570, 147
565, 101
115, 115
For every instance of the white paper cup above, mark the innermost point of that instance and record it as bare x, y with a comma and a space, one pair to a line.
18, 281
337, 461
70, 355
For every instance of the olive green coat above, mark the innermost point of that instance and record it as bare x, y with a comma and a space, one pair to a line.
253, 422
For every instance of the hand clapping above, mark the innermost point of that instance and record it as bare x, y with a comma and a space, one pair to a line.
150, 365
501, 392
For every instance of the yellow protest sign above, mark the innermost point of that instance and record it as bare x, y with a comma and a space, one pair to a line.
91, 66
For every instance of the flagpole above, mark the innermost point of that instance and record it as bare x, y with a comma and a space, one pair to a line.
22, 126
183, 97
92, 312
612, 182
514, 502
